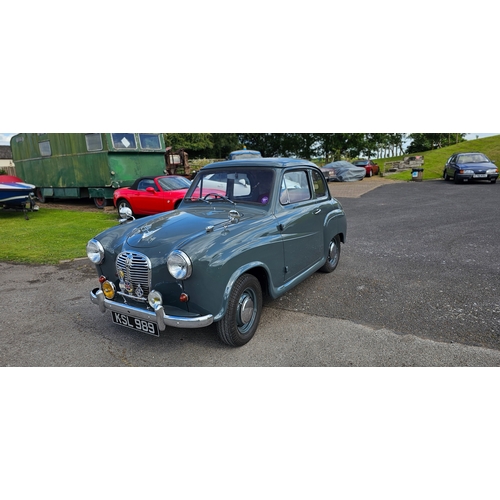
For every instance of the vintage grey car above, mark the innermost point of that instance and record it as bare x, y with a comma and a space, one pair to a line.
267, 225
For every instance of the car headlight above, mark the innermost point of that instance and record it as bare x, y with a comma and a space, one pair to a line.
492, 171
95, 251
468, 171
179, 265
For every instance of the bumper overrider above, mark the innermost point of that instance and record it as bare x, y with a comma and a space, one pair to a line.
157, 316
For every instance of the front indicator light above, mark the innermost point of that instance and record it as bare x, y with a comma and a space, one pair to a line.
155, 299
108, 289
184, 297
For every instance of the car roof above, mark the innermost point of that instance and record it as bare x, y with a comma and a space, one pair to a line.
260, 162
244, 151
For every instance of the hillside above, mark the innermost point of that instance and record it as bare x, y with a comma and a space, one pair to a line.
436, 159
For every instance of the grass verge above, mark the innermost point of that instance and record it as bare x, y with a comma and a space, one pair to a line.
50, 235
434, 161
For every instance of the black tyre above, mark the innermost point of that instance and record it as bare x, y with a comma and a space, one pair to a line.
333, 257
100, 202
242, 317
493, 181
446, 177
457, 180
123, 204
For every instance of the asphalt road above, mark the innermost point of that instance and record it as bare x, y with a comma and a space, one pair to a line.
417, 285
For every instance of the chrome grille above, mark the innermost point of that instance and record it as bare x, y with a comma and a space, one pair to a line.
134, 272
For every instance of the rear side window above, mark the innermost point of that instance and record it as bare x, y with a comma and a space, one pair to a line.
318, 184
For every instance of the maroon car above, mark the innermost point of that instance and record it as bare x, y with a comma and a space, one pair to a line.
152, 195
370, 166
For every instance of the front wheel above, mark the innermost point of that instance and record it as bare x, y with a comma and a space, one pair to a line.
121, 203
332, 259
244, 309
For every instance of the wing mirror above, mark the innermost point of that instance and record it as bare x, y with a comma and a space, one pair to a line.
126, 215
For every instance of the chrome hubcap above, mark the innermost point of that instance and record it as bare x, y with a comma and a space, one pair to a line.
246, 309
332, 252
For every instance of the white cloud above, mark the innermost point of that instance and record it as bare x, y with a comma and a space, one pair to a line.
5, 139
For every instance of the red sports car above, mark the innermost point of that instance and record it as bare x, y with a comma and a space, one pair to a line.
152, 195
370, 166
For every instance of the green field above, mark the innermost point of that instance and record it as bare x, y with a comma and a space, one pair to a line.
50, 235
435, 160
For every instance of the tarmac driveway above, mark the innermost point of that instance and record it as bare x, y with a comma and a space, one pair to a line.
421, 258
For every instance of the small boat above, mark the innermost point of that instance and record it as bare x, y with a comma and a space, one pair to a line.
14, 192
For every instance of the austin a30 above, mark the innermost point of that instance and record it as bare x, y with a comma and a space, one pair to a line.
245, 229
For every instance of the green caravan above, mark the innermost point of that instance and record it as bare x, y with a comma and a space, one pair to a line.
86, 165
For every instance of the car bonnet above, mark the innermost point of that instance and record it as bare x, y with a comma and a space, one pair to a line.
173, 228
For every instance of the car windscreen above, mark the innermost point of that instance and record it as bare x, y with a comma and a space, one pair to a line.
172, 183
245, 185
472, 158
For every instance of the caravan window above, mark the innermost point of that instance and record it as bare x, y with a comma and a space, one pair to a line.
45, 148
124, 141
149, 141
94, 142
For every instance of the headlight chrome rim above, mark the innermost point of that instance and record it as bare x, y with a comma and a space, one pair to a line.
95, 251
179, 265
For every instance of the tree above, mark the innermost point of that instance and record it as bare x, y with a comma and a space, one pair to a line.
190, 142
427, 142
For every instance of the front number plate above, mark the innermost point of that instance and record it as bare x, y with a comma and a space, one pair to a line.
480, 176
135, 323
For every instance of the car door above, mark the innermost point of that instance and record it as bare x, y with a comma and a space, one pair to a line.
301, 223
450, 166
148, 198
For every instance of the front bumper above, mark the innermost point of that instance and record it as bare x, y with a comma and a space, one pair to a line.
158, 316
468, 177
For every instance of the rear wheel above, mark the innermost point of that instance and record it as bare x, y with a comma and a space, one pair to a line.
333, 256
100, 202
244, 309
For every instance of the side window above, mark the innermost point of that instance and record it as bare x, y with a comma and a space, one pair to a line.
45, 149
144, 184
94, 142
318, 184
124, 141
149, 141
294, 187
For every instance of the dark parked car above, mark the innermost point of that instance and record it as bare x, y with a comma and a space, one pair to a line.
244, 154
152, 195
273, 225
470, 166
343, 171
370, 167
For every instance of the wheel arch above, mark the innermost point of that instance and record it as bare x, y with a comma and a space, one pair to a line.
257, 269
